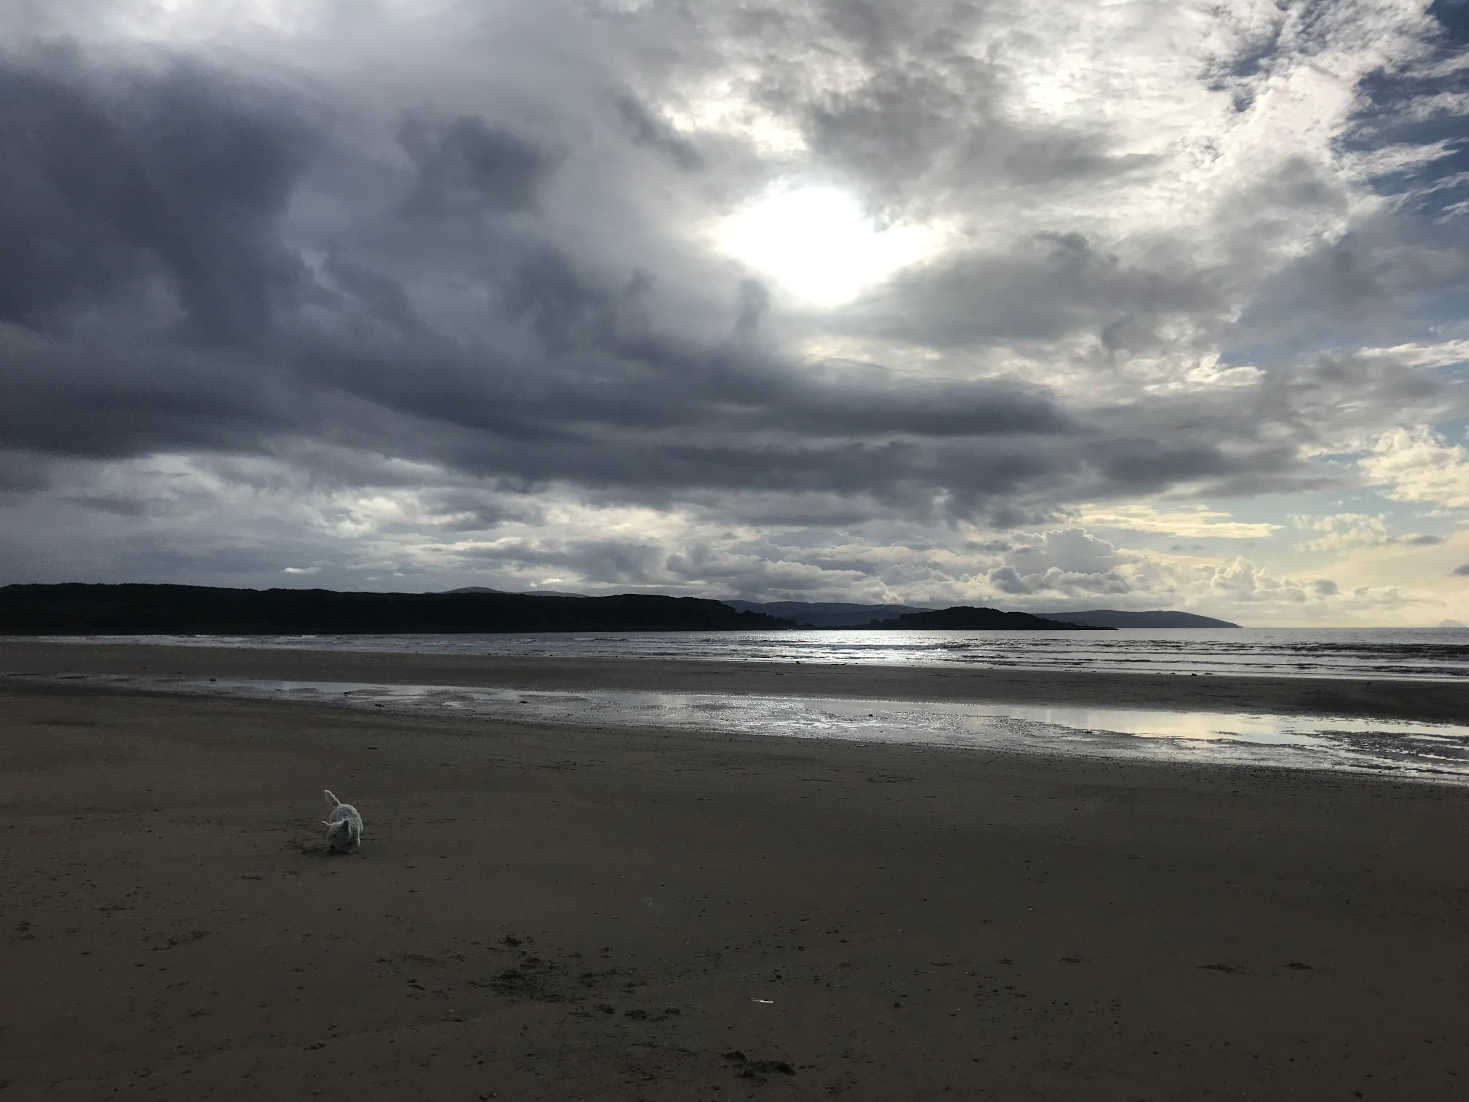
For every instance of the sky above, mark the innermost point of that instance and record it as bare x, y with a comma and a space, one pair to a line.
1104, 304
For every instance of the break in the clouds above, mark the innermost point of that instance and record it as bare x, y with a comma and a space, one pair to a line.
1040, 306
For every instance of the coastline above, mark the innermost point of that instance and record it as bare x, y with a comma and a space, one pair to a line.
1426, 701
548, 912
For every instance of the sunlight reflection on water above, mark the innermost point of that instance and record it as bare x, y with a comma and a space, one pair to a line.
1402, 748
1396, 653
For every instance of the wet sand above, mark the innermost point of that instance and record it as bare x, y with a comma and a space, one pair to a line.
545, 913
1429, 701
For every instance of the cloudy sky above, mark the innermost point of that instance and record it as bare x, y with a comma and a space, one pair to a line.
1091, 303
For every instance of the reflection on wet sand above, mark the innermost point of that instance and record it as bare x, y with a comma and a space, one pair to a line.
1400, 747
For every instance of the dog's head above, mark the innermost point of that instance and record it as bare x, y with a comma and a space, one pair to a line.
338, 833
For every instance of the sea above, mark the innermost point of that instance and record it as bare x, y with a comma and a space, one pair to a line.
1436, 752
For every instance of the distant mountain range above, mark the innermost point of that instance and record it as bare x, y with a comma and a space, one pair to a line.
82, 609
838, 615
77, 609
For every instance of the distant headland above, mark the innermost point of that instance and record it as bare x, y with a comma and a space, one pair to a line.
830, 614
967, 618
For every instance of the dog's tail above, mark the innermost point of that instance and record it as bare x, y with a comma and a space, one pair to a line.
331, 801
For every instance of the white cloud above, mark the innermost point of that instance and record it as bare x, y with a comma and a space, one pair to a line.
1415, 572
1069, 550
1199, 522
1419, 465
1339, 531
1418, 354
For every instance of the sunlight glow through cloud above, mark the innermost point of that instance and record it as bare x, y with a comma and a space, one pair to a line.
817, 243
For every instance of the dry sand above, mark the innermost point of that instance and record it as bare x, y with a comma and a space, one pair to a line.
546, 913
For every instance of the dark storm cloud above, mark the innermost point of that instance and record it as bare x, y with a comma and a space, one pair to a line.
23, 472
1218, 444
113, 178
607, 397
467, 165
603, 383
1461, 571
1051, 286
1249, 440
375, 294
936, 410
90, 399
602, 406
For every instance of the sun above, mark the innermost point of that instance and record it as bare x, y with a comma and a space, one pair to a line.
817, 243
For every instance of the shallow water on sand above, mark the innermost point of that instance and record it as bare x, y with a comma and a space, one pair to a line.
1407, 749
1440, 654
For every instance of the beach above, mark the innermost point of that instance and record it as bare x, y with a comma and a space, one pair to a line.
547, 912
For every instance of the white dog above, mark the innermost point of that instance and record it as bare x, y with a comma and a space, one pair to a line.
343, 825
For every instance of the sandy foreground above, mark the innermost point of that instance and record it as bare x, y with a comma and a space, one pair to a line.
546, 913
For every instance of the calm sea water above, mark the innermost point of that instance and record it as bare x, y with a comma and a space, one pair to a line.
1395, 653
1425, 751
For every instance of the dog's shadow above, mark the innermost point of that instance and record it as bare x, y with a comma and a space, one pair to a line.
316, 849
